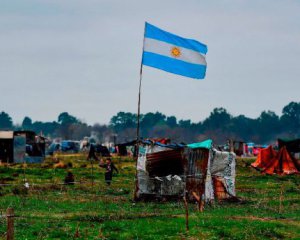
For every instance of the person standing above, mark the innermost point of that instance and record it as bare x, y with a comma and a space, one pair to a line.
109, 167
92, 153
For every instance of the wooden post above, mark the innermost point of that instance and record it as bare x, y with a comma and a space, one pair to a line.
136, 189
92, 162
201, 205
10, 224
231, 145
186, 213
77, 235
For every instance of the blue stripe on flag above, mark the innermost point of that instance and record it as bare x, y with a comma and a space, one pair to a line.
161, 35
174, 65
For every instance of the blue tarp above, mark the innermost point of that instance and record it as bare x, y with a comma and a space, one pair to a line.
205, 144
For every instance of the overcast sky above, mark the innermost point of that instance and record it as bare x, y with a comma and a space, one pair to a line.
83, 57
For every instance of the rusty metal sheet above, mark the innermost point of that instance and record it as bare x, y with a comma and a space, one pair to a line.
164, 163
195, 170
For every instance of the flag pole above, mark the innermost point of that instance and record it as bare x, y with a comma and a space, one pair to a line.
139, 104
138, 122
139, 96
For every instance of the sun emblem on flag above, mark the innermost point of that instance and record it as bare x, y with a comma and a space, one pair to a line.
175, 51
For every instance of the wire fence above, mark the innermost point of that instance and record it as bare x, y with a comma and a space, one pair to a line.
14, 220
91, 185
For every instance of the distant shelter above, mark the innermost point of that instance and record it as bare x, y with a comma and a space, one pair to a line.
21, 146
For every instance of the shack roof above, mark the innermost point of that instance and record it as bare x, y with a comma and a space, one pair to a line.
169, 145
6, 134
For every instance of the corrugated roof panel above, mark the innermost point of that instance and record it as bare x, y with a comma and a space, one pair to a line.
164, 163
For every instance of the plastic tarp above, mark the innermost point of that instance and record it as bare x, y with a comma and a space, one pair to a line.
271, 162
205, 144
220, 178
282, 164
264, 157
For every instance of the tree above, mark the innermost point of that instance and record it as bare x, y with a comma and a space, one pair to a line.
27, 123
217, 125
268, 126
151, 119
184, 123
78, 131
244, 128
171, 121
65, 119
123, 120
5, 121
103, 133
290, 118
219, 118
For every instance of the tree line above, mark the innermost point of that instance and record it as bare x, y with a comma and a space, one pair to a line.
219, 126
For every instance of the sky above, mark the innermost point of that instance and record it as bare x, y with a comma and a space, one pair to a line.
83, 57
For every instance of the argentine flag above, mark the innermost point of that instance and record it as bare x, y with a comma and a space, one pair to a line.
174, 54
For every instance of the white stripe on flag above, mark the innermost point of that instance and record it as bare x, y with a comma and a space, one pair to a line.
165, 49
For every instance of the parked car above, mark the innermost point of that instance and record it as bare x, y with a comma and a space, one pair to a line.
70, 146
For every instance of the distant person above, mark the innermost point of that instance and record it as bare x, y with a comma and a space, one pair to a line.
109, 167
92, 153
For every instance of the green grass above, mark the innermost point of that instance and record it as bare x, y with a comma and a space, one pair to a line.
270, 208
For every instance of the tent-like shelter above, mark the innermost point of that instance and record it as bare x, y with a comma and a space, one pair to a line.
282, 164
271, 162
264, 156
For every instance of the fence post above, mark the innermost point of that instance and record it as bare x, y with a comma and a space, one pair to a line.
186, 213
10, 223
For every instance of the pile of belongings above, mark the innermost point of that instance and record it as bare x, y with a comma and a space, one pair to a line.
194, 170
282, 162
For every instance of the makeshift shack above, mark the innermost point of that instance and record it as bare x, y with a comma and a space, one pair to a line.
122, 148
6, 146
21, 146
239, 147
174, 170
103, 150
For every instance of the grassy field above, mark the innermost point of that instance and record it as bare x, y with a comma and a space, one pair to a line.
49, 210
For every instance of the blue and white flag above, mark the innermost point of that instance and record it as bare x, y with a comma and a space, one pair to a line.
174, 54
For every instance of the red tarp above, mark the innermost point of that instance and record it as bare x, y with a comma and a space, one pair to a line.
272, 162
264, 156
